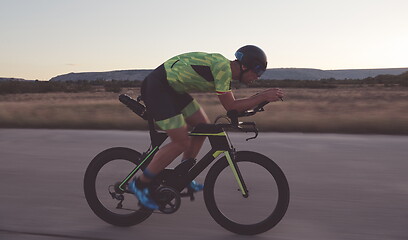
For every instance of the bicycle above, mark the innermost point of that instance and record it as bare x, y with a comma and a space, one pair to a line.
249, 199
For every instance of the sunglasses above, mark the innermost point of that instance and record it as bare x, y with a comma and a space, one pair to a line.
258, 70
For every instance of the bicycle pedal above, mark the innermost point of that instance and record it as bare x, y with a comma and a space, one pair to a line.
190, 193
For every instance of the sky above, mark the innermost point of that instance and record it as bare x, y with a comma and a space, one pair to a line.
40, 39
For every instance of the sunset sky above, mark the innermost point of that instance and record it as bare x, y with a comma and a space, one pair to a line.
44, 38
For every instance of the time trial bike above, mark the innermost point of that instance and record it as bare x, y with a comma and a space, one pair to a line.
245, 192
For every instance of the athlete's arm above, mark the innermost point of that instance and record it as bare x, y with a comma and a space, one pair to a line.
229, 102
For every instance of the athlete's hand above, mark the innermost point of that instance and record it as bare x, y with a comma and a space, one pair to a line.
272, 94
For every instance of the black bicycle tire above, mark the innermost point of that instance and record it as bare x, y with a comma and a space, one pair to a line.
90, 191
274, 218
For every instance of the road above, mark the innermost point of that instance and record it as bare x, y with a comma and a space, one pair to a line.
342, 187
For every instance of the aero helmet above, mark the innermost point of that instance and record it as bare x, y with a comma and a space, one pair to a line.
253, 58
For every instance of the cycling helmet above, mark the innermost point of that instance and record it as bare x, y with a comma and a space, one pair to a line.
253, 58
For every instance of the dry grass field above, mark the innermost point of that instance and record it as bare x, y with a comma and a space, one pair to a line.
374, 110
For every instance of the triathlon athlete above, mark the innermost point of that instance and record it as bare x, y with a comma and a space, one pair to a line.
165, 93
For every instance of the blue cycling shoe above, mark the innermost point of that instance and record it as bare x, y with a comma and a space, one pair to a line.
143, 195
196, 186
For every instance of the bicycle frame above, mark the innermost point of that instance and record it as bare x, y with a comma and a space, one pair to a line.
220, 144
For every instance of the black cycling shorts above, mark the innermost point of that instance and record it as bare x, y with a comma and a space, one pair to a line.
167, 107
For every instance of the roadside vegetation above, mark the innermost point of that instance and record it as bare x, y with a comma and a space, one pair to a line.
369, 106
14, 87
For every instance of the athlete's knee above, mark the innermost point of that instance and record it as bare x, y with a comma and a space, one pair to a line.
205, 120
199, 117
180, 139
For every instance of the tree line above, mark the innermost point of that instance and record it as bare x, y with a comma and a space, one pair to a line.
15, 86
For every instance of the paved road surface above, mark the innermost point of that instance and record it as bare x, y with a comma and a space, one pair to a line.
342, 187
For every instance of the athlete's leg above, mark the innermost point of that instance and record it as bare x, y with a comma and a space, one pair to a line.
180, 142
195, 142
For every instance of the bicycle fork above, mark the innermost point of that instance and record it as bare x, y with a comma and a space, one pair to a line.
235, 170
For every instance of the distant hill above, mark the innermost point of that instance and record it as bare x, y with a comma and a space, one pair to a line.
132, 75
274, 73
317, 74
11, 79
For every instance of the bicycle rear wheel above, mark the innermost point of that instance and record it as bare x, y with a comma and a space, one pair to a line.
268, 192
101, 181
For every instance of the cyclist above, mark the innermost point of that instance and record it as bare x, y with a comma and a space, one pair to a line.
165, 92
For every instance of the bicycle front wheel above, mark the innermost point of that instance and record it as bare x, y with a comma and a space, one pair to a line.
268, 192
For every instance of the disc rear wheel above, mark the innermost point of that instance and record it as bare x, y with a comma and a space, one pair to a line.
103, 194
